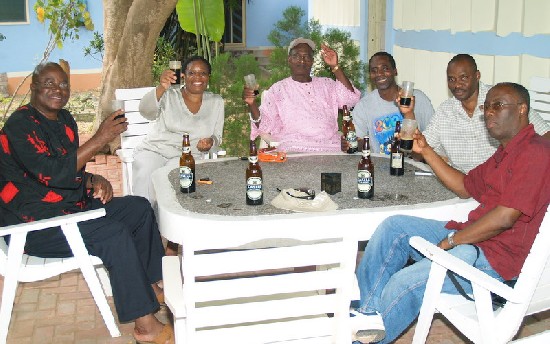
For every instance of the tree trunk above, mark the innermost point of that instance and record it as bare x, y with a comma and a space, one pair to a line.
131, 30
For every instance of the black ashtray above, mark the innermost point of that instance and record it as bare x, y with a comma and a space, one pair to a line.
331, 183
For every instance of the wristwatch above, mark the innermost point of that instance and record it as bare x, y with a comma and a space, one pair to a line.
450, 239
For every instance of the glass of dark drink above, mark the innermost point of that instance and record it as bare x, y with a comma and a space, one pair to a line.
175, 66
250, 82
406, 93
408, 127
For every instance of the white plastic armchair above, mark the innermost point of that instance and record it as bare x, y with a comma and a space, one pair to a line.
16, 266
539, 91
291, 306
476, 319
138, 128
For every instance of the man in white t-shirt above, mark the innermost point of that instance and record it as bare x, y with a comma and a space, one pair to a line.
457, 131
376, 113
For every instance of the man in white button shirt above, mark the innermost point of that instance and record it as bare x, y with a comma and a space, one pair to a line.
457, 131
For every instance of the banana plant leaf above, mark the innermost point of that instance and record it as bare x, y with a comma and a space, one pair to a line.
210, 11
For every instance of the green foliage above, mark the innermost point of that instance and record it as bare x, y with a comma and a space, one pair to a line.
293, 26
227, 79
66, 17
96, 47
164, 52
290, 27
204, 18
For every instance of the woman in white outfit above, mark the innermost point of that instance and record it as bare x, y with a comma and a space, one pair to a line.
189, 109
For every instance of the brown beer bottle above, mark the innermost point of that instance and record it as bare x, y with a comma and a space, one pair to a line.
397, 165
365, 172
254, 180
187, 167
348, 129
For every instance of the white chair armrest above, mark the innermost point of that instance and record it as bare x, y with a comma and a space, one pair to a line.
458, 266
52, 222
173, 285
125, 155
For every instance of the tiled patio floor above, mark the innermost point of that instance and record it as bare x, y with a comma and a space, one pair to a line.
61, 309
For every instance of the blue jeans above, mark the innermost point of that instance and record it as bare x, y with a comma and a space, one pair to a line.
396, 291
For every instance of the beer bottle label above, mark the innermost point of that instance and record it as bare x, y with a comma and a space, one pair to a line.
345, 118
366, 153
186, 177
364, 180
253, 159
351, 137
186, 149
396, 160
254, 188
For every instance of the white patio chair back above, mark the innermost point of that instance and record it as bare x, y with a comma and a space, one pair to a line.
261, 307
476, 319
138, 128
17, 267
539, 91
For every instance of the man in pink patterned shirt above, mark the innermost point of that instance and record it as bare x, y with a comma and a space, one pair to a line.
301, 111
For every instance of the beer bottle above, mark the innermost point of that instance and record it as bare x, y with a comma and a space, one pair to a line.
397, 166
254, 191
365, 172
187, 167
348, 129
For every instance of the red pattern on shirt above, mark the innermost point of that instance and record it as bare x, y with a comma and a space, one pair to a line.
4, 143
43, 179
8, 192
40, 145
52, 197
69, 132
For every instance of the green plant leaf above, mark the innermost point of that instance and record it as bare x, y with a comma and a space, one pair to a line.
211, 12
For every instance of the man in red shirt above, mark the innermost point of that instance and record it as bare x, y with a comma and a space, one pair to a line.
513, 191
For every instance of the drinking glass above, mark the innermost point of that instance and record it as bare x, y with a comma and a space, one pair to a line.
408, 127
250, 81
116, 105
175, 66
406, 93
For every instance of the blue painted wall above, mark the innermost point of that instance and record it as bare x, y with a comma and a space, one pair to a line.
261, 16
25, 43
482, 43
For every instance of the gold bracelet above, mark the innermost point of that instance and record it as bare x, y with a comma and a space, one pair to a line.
335, 68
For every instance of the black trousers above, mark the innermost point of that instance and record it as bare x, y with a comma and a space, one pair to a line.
128, 242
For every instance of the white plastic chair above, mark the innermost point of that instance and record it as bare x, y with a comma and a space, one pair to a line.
138, 128
539, 91
476, 319
261, 308
17, 267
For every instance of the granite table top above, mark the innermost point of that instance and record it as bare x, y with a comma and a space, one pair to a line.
226, 195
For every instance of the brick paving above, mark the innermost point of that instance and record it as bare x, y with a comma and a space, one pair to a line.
62, 310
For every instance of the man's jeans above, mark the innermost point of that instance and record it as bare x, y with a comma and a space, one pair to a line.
395, 291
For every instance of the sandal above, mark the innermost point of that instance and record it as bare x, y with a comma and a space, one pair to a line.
167, 334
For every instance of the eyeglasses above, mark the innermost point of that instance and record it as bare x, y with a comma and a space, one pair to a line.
50, 84
191, 73
496, 106
298, 58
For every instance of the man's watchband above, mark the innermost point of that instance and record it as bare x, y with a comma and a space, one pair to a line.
450, 240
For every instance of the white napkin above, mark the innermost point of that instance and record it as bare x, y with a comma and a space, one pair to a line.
321, 202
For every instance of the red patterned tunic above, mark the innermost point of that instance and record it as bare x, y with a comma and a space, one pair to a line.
38, 177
